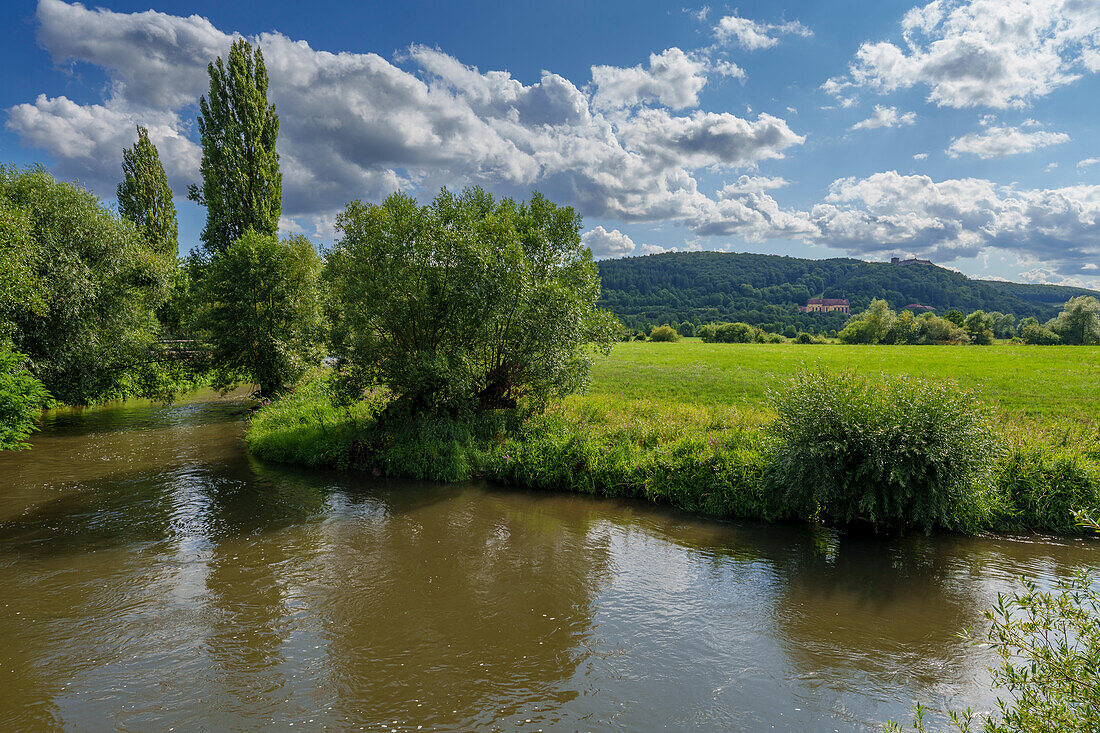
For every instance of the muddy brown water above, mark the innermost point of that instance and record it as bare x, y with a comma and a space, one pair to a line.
155, 577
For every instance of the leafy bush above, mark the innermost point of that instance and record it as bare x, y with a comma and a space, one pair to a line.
809, 338
979, 327
664, 333
1033, 333
894, 454
1044, 488
880, 325
731, 333
22, 398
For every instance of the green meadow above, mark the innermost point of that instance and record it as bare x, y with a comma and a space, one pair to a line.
1023, 382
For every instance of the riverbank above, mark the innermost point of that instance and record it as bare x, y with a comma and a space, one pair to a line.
642, 432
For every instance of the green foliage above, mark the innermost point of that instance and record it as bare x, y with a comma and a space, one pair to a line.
895, 454
465, 303
759, 289
1079, 321
144, 197
1045, 487
94, 285
731, 333
809, 338
979, 328
22, 398
242, 187
869, 327
664, 333
1033, 333
261, 311
21, 288
880, 325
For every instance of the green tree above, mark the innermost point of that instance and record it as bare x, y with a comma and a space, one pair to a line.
1079, 321
979, 327
144, 196
242, 187
871, 326
465, 303
261, 312
98, 284
21, 290
955, 316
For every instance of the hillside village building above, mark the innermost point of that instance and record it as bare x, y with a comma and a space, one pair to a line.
826, 305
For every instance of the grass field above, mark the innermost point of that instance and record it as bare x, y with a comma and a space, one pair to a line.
1043, 382
693, 425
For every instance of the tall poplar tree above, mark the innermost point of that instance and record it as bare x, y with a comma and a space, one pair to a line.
242, 187
144, 196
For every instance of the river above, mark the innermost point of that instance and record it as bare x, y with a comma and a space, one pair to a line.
155, 577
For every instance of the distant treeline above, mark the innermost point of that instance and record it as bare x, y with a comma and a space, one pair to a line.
767, 290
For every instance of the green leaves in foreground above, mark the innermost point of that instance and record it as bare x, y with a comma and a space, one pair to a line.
22, 398
893, 454
1047, 643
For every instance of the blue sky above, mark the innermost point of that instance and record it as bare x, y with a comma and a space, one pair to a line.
967, 131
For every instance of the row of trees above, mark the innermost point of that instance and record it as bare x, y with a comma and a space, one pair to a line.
709, 287
466, 303
89, 297
1078, 323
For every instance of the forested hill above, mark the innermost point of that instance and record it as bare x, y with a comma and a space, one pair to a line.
761, 289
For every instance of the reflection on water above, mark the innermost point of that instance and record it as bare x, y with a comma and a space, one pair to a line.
155, 576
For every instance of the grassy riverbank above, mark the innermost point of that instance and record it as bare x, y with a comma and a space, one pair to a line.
688, 424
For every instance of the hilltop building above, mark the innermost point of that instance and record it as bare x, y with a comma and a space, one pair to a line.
826, 305
898, 261
918, 307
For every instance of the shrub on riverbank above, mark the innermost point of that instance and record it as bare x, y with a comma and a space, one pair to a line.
723, 459
894, 453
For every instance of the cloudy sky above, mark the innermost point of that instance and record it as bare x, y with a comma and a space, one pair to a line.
963, 131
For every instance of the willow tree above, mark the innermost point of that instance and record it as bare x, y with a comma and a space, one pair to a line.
144, 196
242, 187
466, 303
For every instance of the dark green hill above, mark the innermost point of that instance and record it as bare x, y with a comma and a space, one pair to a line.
768, 289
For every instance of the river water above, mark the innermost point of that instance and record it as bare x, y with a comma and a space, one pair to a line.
155, 577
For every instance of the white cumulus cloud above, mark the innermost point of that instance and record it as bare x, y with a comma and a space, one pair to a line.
672, 78
998, 142
991, 53
753, 35
357, 125
605, 243
960, 218
886, 117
